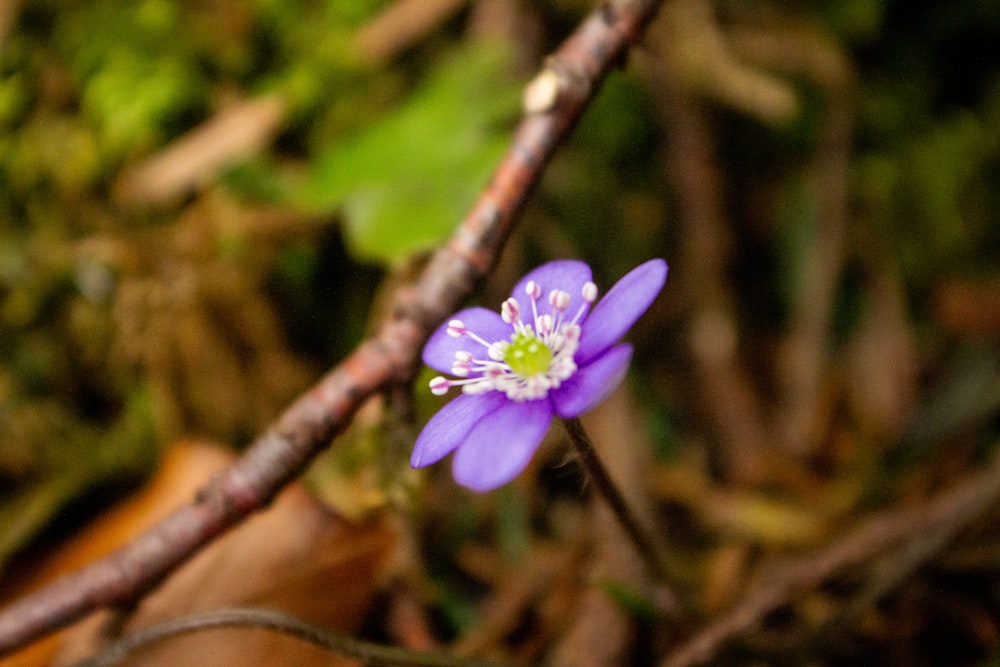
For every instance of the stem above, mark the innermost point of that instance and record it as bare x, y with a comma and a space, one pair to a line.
251, 617
644, 542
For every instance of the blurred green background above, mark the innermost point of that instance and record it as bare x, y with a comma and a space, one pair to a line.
201, 204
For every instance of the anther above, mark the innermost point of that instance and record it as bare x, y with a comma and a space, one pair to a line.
439, 386
533, 290
456, 329
559, 300
510, 311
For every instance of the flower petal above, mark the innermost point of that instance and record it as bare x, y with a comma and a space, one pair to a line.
451, 426
569, 275
593, 383
620, 308
439, 353
500, 445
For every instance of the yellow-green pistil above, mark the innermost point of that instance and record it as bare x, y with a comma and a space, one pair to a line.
527, 356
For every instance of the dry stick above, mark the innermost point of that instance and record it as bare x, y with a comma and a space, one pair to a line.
722, 389
278, 621
949, 511
386, 359
399, 25
246, 126
802, 373
647, 546
891, 571
8, 17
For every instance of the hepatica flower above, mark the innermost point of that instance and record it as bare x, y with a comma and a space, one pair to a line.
550, 351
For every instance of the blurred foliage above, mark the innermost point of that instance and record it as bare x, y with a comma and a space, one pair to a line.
126, 324
403, 181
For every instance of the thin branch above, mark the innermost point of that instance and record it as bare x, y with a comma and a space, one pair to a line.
386, 359
803, 363
948, 512
245, 127
723, 390
398, 26
278, 621
240, 130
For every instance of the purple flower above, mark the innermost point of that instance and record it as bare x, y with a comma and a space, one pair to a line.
543, 355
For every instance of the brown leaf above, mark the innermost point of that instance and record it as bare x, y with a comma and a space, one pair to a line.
297, 556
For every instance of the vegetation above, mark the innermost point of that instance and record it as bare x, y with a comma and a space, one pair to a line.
203, 205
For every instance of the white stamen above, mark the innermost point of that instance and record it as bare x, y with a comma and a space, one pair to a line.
559, 300
457, 329
480, 387
510, 311
492, 372
589, 293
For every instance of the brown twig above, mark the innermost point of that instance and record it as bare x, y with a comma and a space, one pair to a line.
8, 17
244, 127
385, 359
280, 622
723, 390
947, 512
400, 25
803, 363
240, 130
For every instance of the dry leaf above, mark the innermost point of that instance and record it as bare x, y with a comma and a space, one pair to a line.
297, 556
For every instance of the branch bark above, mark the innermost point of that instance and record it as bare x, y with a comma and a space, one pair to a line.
386, 359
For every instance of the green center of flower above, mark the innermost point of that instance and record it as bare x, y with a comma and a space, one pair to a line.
527, 355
